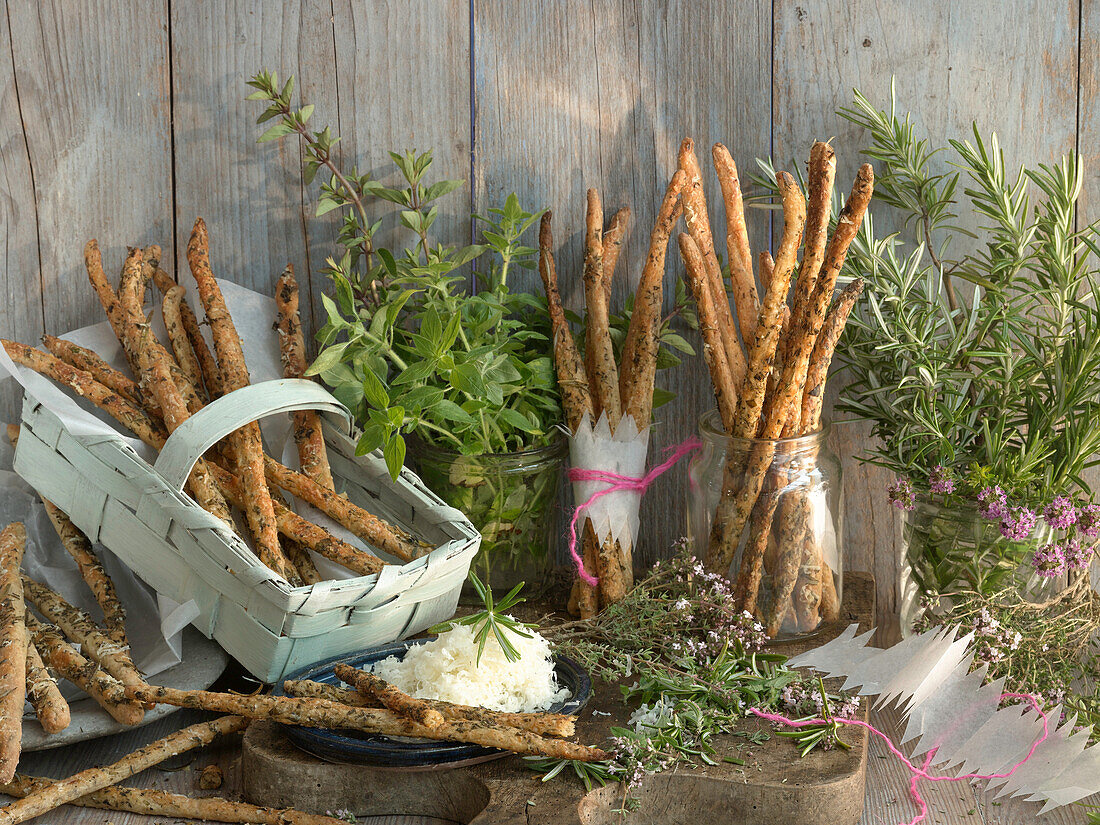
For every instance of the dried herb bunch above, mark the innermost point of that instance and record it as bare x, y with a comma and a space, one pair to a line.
698, 665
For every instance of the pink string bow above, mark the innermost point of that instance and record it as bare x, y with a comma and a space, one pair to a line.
615, 483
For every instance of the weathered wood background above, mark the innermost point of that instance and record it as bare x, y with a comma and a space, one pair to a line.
126, 119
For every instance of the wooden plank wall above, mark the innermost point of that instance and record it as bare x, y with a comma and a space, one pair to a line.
125, 120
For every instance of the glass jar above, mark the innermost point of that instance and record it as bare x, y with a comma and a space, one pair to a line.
793, 542
951, 548
509, 498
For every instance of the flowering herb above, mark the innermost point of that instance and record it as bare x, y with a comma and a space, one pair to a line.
698, 665
1003, 378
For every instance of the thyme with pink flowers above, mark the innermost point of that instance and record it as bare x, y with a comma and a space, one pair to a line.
693, 665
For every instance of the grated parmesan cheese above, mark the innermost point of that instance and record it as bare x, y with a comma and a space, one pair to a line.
446, 668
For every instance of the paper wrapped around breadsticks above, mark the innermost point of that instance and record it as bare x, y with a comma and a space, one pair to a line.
622, 453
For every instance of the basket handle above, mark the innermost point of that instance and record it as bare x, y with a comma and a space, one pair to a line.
232, 411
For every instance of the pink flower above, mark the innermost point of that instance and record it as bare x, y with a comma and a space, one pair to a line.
1088, 520
901, 494
1018, 524
993, 503
1049, 560
1077, 556
940, 480
1060, 513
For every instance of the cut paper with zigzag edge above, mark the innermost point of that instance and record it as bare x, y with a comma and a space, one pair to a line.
622, 453
929, 677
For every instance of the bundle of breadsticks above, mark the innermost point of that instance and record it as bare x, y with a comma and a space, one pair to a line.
170, 383
608, 405
769, 369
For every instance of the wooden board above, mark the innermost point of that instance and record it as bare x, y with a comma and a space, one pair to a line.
773, 785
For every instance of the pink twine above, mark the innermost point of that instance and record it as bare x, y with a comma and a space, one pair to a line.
617, 482
922, 772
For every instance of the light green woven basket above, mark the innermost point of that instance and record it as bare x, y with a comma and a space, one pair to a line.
141, 513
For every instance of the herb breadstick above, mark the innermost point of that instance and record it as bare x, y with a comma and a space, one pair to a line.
713, 350
177, 336
742, 284
643, 336
603, 379
91, 570
13, 648
297, 556
409, 707
152, 802
84, 359
367, 526
320, 713
62, 791
79, 626
211, 376
698, 224
106, 690
576, 398
813, 396
545, 724
259, 510
312, 454
613, 239
49, 705
131, 286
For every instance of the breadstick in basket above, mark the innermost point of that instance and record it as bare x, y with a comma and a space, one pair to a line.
259, 510
312, 454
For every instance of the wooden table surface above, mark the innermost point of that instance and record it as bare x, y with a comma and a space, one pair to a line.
887, 799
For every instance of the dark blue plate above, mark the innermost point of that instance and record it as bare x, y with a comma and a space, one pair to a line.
360, 748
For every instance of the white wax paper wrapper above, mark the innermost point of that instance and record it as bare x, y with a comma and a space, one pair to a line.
154, 622
950, 710
624, 453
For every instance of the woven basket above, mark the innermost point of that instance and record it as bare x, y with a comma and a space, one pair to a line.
140, 512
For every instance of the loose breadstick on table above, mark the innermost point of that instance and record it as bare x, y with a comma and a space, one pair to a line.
320, 713
259, 510
603, 379
177, 337
13, 648
544, 724
312, 454
79, 626
396, 700
613, 239
742, 283
84, 359
91, 570
644, 333
211, 376
62, 791
86, 675
151, 802
713, 350
49, 705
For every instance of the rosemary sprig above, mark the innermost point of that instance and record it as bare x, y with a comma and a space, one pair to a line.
492, 620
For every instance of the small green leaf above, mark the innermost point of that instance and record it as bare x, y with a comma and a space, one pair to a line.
394, 453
